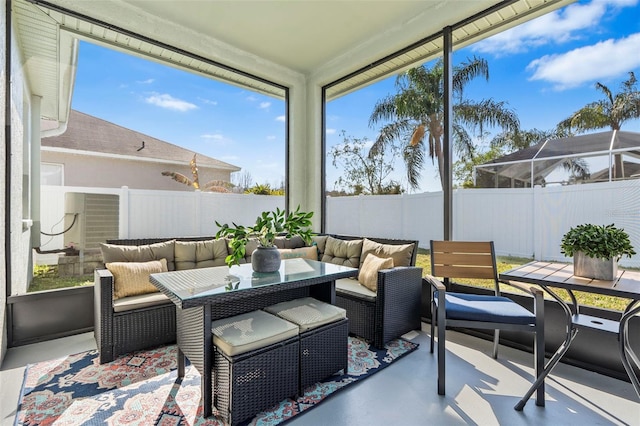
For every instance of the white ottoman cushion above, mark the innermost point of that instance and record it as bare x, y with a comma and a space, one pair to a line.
307, 312
247, 332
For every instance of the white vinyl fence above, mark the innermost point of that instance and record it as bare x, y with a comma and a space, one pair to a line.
522, 222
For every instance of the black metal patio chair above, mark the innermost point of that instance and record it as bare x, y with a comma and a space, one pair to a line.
462, 259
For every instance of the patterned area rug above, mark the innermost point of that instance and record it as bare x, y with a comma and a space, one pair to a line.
142, 389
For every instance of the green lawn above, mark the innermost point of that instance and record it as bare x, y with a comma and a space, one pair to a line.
46, 278
505, 263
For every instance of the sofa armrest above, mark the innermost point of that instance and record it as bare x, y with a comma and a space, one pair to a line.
398, 302
400, 279
103, 311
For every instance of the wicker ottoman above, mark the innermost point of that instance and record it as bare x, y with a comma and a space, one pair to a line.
324, 337
255, 364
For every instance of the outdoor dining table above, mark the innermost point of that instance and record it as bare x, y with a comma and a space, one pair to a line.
206, 294
551, 276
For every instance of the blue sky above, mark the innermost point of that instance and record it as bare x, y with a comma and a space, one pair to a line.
545, 70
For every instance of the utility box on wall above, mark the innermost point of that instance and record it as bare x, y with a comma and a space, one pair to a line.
91, 219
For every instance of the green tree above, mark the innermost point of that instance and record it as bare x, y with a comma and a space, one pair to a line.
364, 173
612, 112
415, 115
463, 169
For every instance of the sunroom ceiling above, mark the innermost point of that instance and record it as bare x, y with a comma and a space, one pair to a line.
274, 40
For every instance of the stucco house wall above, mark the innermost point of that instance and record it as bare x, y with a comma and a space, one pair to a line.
96, 153
83, 168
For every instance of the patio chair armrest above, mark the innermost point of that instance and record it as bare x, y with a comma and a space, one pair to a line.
436, 284
530, 289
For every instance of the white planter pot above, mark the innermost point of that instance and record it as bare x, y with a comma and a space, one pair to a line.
591, 267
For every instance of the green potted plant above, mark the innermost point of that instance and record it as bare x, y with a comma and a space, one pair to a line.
266, 258
596, 249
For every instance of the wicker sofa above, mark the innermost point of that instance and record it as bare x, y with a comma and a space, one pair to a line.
138, 322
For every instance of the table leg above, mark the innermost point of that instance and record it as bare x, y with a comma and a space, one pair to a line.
626, 352
206, 382
547, 369
325, 292
557, 356
181, 361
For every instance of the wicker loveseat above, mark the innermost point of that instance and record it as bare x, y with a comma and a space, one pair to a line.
135, 322
393, 309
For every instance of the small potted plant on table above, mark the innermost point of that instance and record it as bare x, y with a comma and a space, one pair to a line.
596, 250
266, 258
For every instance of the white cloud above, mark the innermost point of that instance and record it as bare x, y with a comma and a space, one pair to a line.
147, 81
559, 27
208, 101
271, 138
167, 101
281, 118
215, 136
331, 131
264, 105
251, 98
589, 63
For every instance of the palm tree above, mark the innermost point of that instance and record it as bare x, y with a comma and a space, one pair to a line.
212, 186
416, 113
612, 112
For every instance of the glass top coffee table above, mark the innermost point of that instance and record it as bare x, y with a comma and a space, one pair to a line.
207, 294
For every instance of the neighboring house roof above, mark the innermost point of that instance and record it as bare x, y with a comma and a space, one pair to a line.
546, 155
94, 135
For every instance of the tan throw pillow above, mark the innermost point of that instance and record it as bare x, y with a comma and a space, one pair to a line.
342, 252
401, 253
300, 253
368, 275
132, 278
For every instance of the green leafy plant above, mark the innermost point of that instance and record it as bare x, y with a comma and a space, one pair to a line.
599, 241
267, 227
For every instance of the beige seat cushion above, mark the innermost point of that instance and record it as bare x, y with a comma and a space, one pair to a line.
247, 332
141, 301
307, 312
302, 253
142, 253
368, 275
401, 253
132, 278
354, 288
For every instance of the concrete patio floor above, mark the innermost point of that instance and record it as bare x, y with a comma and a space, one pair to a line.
480, 390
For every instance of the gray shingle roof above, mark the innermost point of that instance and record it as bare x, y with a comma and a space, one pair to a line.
88, 133
546, 156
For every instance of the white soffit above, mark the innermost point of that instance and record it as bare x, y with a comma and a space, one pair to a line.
500, 19
259, 45
81, 29
48, 59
